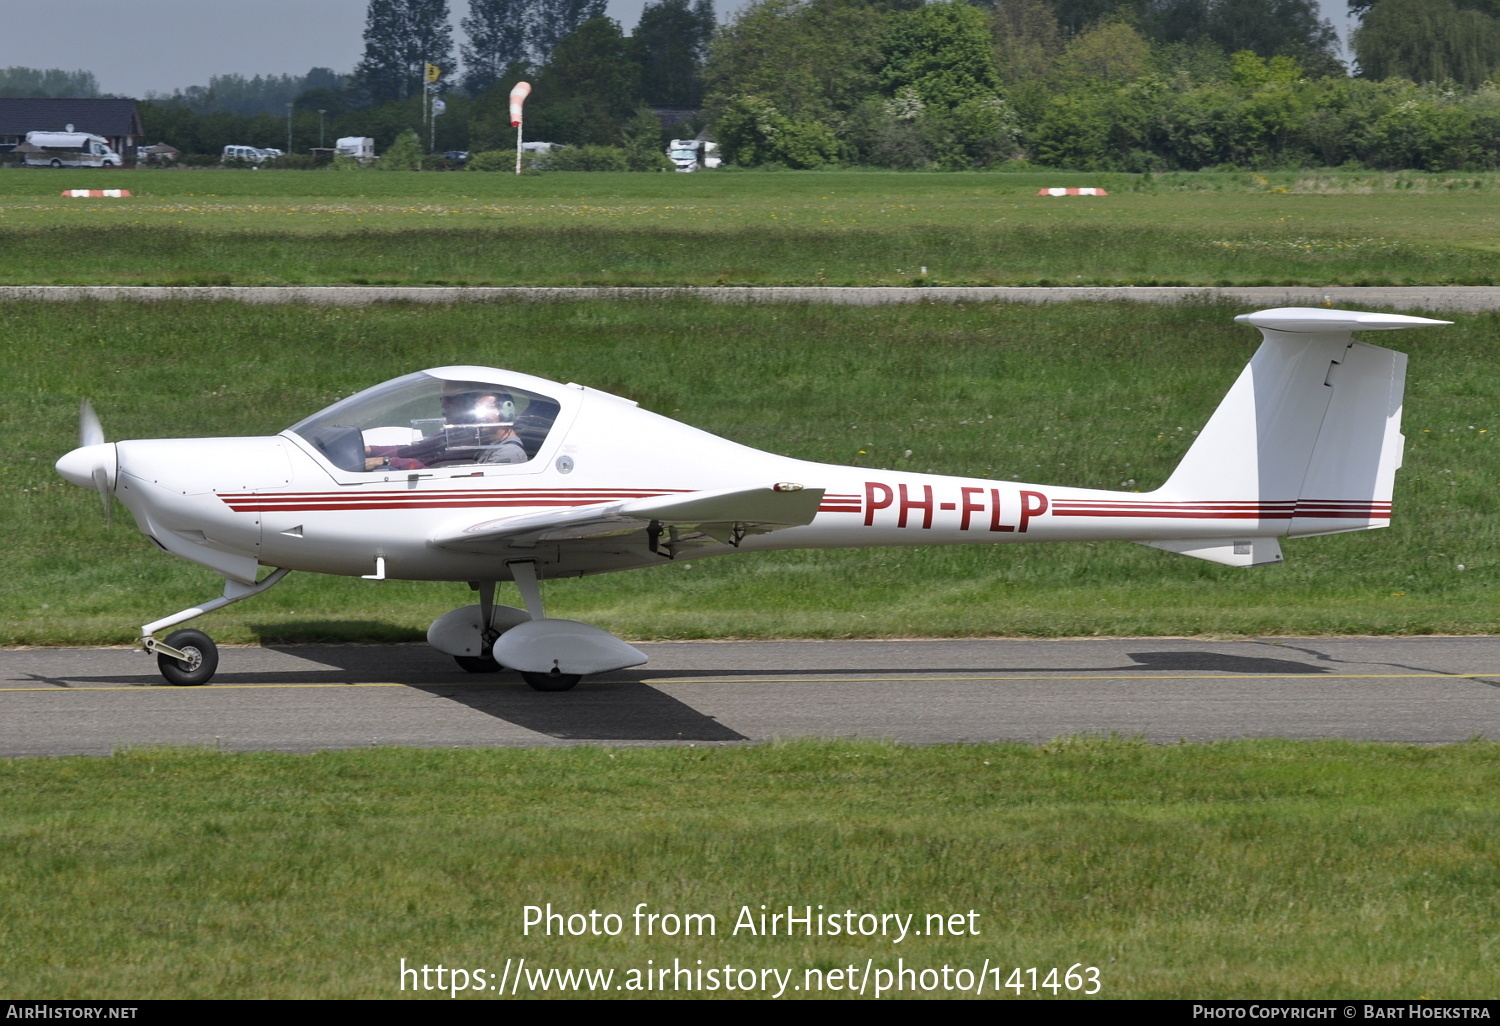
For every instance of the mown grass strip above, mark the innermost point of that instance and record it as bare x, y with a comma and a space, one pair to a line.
1237, 869
244, 228
579, 256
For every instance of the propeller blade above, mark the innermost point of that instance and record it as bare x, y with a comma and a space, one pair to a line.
101, 485
90, 431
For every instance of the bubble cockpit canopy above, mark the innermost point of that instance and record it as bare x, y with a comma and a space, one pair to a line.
425, 420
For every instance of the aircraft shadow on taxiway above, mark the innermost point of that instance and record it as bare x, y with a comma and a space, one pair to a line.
622, 706
418, 665
616, 707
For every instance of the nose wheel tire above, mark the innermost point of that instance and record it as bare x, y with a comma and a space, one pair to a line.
551, 681
202, 661
477, 664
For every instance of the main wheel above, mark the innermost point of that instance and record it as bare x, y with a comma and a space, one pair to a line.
477, 664
551, 681
202, 661
56, 162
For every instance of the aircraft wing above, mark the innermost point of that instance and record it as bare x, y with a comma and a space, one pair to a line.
665, 522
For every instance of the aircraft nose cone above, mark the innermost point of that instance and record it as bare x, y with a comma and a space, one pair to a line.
85, 465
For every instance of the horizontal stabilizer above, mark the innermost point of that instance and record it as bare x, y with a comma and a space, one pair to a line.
1318, 321
1229, 551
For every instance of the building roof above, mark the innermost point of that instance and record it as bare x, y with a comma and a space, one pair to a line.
109, 118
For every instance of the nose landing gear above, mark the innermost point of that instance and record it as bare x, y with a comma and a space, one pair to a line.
189, 658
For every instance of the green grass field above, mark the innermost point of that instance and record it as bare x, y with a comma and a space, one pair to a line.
1088, 395
209, 227
1248, 869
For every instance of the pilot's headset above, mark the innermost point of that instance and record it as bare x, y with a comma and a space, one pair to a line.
507, 408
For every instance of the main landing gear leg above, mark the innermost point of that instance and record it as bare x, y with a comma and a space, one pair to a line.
483, 662
188, 658
524, 574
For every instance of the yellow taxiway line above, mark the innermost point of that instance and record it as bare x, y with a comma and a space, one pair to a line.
789, 680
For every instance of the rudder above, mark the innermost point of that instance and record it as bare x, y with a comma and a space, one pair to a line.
1308, 439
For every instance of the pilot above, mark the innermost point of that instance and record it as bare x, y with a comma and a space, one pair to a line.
478, 427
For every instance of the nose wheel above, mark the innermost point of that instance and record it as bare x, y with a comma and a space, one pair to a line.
195, 662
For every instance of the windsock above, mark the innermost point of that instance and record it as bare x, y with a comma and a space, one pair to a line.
517, 97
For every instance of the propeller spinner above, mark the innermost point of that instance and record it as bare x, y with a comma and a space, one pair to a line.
94, 462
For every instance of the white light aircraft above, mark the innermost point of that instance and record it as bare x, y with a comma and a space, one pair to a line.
483, 476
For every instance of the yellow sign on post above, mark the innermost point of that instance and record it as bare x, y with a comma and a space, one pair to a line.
434, 73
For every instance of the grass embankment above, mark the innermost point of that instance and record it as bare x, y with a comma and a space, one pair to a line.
1096, 396
1245, 869
211, 227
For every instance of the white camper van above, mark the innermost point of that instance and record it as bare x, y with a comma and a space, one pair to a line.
693, 154
360, 147
70, 149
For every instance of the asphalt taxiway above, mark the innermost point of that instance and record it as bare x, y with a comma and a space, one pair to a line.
305, 698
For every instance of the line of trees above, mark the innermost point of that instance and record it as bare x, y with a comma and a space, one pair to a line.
1135, 85
258, 94
592, 81
1087, 84
51, 83
1436, 41
502, 35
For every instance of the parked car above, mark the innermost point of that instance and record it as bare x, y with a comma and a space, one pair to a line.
245, 155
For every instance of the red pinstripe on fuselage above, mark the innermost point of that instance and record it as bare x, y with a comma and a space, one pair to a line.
296, 502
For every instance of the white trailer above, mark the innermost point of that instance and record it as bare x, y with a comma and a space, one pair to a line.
360, 147
70, 149
693, 154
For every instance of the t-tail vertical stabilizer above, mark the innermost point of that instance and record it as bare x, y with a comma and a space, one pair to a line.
1307, 441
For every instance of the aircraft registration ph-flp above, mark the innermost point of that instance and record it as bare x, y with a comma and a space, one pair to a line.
483, 476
